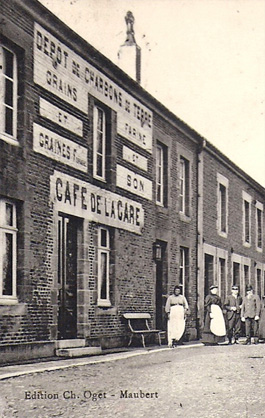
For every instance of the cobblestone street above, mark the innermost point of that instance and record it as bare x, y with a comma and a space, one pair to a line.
223, 381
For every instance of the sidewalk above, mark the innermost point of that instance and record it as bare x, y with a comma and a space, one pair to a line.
7, 372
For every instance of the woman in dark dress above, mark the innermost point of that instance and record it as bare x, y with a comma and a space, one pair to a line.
208, 338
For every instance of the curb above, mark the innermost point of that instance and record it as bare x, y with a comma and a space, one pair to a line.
20, 370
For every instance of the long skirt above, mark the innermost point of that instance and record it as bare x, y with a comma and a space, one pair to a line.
207, 336
176, 323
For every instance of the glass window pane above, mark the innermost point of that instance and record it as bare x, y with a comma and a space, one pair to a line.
103, 271
259, 282
259, 228
9, 121
158, 193
9, 214
103, 241
7, 272
8, 63
99, 166
247, 231
223, 207
100, 143
246, 274
9, 93
100, 120
236, 274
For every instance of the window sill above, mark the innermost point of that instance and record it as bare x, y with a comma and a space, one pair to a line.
99, 178
246, 244
111, 310
9, 139
103, 304
259, 249
184, 218
8, 301
222, 234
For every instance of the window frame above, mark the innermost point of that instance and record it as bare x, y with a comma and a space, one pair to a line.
246, 198
183, 268
96, 110
221, 259
258, 279
160, 181
184, 186
259, 207
103, 250
12, 230
224, 182
10, 138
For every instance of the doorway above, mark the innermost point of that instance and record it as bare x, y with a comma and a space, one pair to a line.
208, 273
161, 286
67, 277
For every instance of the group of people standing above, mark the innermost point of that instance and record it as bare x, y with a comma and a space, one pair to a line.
219, 320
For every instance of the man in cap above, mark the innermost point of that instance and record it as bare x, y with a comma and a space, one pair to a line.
233, 306
250, 314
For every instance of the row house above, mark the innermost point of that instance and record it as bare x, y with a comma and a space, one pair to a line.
230, 227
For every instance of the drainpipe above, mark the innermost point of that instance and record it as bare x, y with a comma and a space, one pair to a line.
200, 263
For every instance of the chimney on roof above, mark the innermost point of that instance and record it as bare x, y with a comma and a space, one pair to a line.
129, 55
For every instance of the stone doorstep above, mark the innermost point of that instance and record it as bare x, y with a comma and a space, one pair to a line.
74, 343
78, 351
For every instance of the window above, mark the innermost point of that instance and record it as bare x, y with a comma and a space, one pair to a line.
8, 251
209, 273
184, 191
222, 205
259, 225
246, 219
99, 144
184, 269
161, 175
103, 267
8, 93
246, 274
236, 274
258, 278
222, 277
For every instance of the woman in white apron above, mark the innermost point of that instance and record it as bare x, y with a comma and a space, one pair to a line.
176, 309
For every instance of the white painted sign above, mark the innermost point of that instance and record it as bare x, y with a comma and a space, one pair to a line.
61, 117
64, 73
59, 148
134, 183
134, 158
135, 134
79, 198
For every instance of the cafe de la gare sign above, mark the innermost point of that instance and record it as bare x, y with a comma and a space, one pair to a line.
64, 73
79, 198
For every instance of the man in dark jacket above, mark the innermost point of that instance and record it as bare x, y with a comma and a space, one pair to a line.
233, 305
250, 314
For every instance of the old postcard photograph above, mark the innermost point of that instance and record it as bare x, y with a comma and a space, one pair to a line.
132, 208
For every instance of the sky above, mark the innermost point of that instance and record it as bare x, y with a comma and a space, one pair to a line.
203, 59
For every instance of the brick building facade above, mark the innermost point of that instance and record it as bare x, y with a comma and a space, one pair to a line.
230, 227
102, 192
